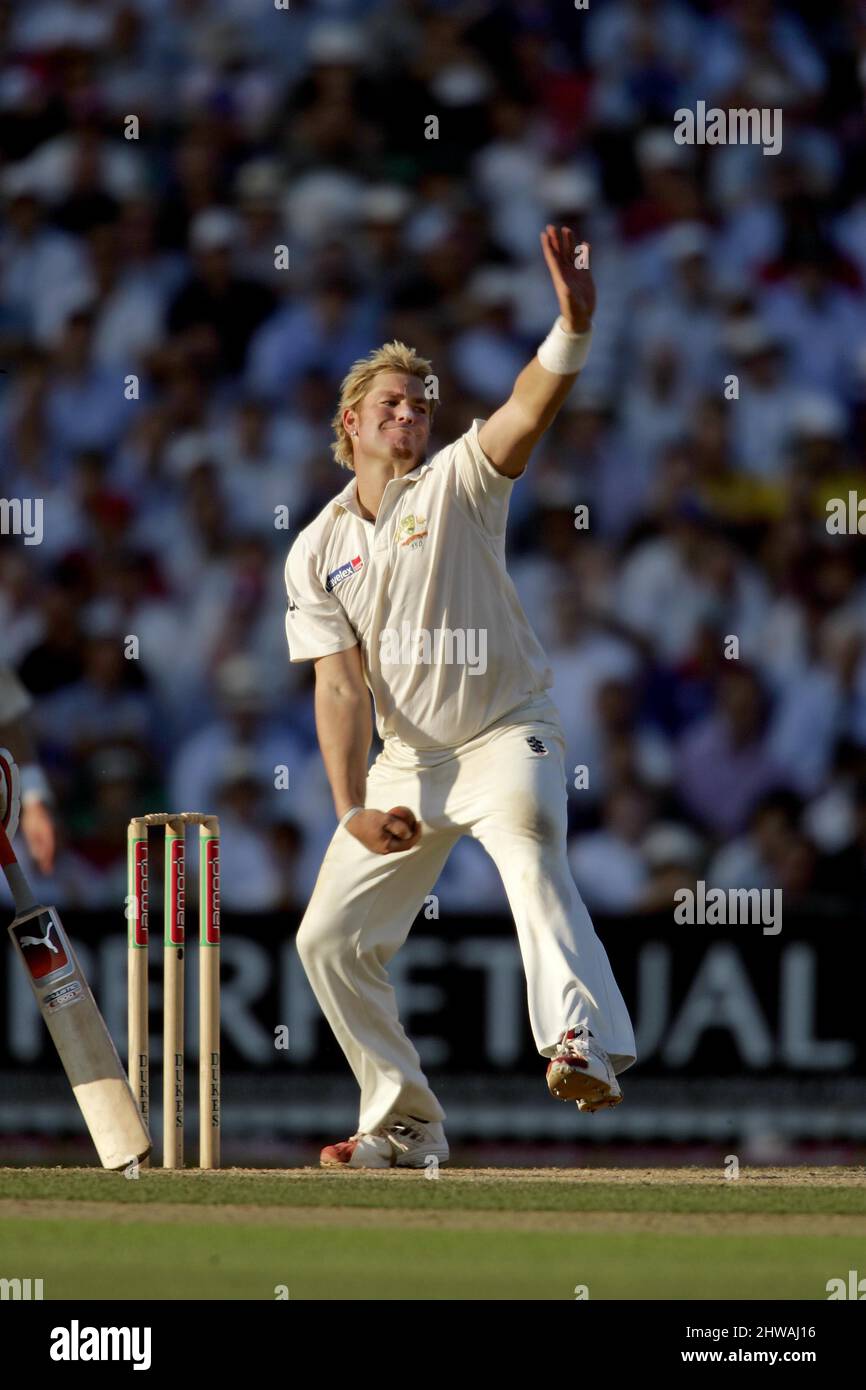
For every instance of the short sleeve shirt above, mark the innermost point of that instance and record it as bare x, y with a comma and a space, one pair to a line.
446, 647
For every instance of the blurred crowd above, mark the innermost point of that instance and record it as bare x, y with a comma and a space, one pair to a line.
170, 375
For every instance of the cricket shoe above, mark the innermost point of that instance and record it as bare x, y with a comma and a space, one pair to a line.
10, 792
580, 1070
401, 1141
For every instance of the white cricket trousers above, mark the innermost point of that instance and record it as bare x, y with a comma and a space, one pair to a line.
511, 797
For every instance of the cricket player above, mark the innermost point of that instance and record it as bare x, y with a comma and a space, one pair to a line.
398, 589
32, 797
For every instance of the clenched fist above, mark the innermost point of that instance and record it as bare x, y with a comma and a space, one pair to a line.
386, 832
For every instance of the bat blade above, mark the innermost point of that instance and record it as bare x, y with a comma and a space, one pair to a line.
79, 1033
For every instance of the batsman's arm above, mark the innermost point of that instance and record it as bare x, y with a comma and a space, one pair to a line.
37, 820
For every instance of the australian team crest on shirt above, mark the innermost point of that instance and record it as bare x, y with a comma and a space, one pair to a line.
411, 531
343, 572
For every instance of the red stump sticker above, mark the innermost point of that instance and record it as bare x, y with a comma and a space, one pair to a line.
211, 924
140, 903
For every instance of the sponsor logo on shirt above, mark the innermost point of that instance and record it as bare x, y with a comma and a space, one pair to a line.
411, 531
343, 572
537, 747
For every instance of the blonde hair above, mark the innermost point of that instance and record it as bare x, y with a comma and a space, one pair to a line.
391, 357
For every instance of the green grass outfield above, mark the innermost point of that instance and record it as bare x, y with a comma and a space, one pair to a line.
470, 1234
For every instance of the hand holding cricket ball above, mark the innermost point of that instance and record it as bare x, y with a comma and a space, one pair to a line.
389, 832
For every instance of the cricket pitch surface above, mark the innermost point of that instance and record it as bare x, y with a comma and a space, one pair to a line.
462, 1234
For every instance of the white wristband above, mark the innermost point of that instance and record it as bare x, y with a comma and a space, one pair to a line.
34, 785
562, 352
353, 811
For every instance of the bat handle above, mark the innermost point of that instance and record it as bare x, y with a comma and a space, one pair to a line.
22, 893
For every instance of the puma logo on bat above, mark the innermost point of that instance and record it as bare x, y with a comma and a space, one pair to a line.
40, 941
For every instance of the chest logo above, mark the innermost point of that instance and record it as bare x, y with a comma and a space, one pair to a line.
343, 572
412, 531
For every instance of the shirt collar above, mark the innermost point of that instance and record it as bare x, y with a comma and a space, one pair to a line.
348, 498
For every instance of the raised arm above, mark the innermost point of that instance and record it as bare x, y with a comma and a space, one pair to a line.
512, 431
344, 725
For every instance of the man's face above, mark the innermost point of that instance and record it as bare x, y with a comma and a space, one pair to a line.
393, 421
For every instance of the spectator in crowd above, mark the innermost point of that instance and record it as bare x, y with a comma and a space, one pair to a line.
761, 858
842, 876
607, 864
215, 310
724, 762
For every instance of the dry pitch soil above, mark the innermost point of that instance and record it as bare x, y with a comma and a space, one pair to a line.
658, 1177
261, 1212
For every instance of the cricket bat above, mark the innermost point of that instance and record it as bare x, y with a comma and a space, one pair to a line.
78, 1029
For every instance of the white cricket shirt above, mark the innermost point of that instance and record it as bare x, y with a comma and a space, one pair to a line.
446, 647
